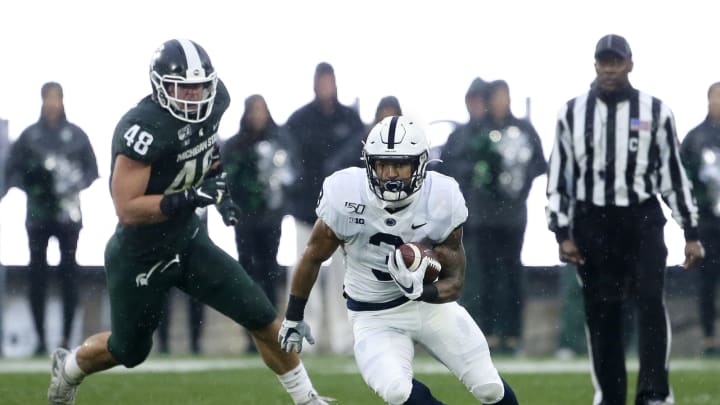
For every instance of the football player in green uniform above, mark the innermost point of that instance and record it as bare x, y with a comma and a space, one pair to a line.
165, 164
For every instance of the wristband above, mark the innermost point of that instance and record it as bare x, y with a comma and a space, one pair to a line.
295, 308
430, 293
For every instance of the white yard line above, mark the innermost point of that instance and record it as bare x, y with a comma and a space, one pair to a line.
346, 366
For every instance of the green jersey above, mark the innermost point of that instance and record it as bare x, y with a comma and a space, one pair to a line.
180, 154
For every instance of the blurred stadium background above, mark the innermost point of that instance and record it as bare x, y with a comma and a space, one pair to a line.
500, 49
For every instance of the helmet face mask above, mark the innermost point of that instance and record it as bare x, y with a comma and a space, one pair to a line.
183, 79
396, 140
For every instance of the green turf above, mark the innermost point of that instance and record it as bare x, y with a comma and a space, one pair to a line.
333, 377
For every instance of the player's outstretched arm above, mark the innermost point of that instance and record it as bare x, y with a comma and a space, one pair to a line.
451, 255
320, 247
322, 244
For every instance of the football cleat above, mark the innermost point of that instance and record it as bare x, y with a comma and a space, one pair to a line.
61, 392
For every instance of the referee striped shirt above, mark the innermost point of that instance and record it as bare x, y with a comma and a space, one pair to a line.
618, 153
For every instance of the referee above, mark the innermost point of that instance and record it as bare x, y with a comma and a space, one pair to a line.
615, 149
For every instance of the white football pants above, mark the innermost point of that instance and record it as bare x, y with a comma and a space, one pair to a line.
384, 348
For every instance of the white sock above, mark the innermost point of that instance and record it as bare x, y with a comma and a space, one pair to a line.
297, 383
73, 372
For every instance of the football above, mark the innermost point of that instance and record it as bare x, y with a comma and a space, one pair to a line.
413, 253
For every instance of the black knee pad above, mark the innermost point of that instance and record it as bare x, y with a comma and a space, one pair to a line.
130, 354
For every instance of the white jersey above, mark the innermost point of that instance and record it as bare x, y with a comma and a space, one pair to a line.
370, 233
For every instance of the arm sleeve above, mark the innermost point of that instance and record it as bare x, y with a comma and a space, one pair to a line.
560, 190
675, 187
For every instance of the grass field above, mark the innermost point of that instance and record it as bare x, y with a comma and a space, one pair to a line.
212, 380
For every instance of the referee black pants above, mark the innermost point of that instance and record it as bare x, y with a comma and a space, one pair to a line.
625, 256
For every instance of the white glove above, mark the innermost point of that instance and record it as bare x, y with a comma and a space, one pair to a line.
409, 282
291, 335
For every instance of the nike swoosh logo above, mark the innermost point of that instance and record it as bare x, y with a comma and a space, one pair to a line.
407, 289
413, 226
203, 194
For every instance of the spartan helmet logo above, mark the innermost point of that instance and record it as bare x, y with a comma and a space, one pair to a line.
177, 65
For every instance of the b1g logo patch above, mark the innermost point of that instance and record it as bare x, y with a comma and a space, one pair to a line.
359, 221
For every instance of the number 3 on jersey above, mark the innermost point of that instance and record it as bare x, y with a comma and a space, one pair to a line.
139, 140
379, 239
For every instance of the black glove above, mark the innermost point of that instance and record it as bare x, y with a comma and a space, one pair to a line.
229, 211
210, 191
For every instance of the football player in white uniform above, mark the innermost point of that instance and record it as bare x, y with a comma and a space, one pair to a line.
369, 214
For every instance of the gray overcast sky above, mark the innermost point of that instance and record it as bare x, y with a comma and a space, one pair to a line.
425, 53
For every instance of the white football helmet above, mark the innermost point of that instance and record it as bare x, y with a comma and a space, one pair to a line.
180, 62
401, 139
